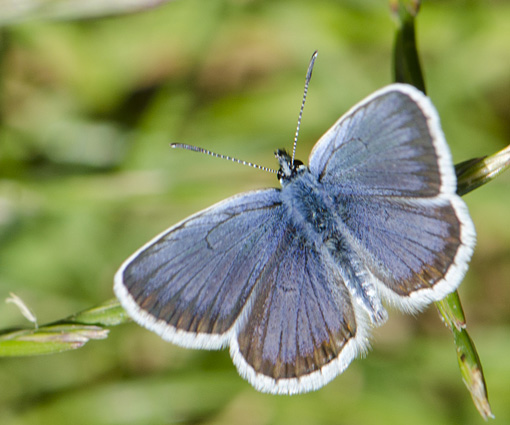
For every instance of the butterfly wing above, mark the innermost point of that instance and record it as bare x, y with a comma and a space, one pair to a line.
303, 329
389, 144
388, 168
192, 283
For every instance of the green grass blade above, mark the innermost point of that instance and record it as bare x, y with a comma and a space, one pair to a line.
66, 334
406, 61
470, 174
49, 339
476, 172
109, 313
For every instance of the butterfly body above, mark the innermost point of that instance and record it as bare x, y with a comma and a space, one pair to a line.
318, 219
293, 279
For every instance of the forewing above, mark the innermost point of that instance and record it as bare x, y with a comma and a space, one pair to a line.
302, 330
391, 143
191, 283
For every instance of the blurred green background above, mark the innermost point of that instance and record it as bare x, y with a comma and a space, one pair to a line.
88, 109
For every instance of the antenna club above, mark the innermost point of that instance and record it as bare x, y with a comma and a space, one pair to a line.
310, 66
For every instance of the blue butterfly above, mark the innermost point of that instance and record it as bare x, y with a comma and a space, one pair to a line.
293, 279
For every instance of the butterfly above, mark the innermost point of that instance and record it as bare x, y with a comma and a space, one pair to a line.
294, 278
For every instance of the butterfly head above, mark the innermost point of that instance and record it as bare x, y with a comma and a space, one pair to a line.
288, 169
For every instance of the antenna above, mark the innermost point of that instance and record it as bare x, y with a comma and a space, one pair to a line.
307, 81
217, 155
239, 161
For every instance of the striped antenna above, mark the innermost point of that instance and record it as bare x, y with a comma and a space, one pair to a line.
217, 155
307, 81
259, 167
